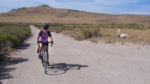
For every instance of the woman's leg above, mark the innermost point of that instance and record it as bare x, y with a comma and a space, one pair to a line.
40, 48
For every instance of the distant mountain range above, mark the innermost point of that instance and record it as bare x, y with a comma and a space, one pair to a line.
47, 14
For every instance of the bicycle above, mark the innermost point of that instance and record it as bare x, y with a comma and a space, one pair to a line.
44, 56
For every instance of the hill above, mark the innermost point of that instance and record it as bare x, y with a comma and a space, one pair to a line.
47, 14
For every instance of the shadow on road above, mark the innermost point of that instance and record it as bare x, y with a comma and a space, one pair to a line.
23, 46
62, 68
5, 68
17, 60
4, 73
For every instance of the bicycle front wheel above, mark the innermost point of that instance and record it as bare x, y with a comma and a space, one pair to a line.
45, 62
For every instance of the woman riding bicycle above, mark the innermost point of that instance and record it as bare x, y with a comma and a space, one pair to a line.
43, 39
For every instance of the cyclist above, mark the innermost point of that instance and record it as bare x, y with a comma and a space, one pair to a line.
43, 36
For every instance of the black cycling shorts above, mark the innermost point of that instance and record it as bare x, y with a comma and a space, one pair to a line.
44, 43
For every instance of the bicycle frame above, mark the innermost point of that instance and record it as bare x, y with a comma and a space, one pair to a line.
45, 57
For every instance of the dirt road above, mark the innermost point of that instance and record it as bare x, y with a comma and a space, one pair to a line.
78, 62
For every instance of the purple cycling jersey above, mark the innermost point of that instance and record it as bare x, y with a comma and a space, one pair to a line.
44, 36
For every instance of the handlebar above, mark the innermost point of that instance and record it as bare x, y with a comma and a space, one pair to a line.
47, 42
51, 43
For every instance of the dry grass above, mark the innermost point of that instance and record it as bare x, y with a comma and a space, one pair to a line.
105, 32
12, 36
135, 36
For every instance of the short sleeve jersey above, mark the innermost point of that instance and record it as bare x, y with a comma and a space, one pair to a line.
44, 36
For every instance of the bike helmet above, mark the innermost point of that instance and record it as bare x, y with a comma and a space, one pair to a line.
45, 26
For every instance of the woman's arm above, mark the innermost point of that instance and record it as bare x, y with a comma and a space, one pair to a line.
50, 37
38, 38
52, 42
39, 34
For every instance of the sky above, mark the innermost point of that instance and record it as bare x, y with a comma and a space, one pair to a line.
140, 7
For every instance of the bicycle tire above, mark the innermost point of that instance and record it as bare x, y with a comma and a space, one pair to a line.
44, 58
45, 61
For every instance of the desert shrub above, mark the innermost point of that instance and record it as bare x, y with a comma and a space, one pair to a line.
11, 36
59, 29
78, 37
90, 32
86, 33
95, 32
